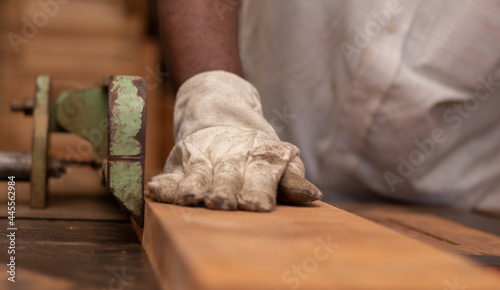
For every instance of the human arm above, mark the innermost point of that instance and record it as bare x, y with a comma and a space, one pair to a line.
226, 154
198, 36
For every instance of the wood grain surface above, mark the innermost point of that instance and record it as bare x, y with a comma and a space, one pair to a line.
76, 255
308, 247
452, 230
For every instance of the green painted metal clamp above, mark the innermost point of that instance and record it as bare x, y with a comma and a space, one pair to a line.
112, 117
127, 142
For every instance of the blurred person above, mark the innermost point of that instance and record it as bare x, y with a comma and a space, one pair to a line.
385, 100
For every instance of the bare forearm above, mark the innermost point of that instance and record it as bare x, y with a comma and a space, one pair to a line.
198, 38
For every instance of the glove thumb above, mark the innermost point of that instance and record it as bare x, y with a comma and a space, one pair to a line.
294, 188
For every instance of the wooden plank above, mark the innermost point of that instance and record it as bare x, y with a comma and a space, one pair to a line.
425, 225
55, 255
311, 247
83, 46
77, 195
108, 17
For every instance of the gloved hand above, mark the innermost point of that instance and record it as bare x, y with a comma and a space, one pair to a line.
226, 154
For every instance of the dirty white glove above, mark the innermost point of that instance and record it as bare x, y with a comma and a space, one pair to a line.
226, 154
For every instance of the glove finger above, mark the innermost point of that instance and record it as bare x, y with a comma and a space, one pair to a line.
261, 179
294, 187
227, 183
198, 177
163, 187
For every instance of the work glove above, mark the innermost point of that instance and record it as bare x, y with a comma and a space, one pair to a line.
226, 154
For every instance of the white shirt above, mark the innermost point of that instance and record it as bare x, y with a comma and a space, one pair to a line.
399, 99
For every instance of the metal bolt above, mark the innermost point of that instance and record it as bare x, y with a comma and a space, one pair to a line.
27, 106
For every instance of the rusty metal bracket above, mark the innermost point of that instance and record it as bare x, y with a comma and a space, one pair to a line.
40, 143
127, 142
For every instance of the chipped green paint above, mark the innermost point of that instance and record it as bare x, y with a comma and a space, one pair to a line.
127, 183
127, 112
127, 140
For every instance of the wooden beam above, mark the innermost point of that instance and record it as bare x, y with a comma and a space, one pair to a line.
307, 247
424, 224
76, 254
